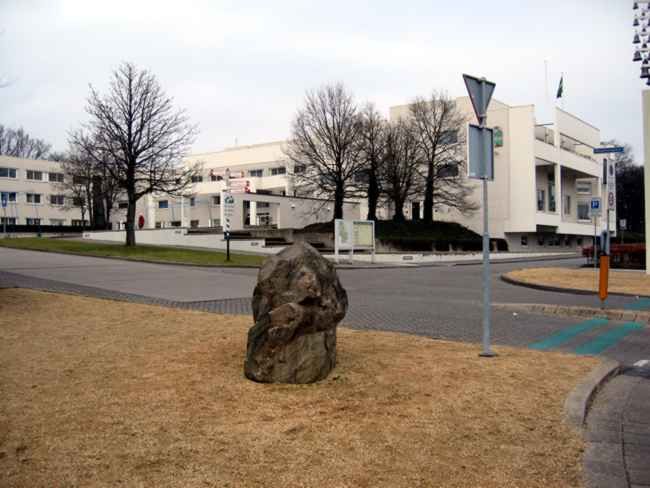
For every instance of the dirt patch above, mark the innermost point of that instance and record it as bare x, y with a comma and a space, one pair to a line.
629, 282
100, 393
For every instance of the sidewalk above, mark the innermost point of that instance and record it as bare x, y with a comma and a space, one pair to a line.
618, 432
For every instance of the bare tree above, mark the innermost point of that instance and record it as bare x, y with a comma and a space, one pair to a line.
373, 147
78, 172
400, 168
19, 144
441, 135
138, 137
324, 143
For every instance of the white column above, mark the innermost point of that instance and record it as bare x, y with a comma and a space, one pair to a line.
253, 212
150, 209
558, 190
646, 144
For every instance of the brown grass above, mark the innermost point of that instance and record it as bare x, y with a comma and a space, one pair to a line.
636, 283
99, 393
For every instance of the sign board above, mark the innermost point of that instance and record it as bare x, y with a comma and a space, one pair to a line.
228, 209
480, 93
240, 185
481, 152
351, 235
608, 150
595, 207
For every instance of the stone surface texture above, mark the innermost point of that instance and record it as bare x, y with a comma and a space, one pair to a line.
297, 304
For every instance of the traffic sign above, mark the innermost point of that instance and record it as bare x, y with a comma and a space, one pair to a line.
480, 93
608, 150
595, 207
611, 201
481, 153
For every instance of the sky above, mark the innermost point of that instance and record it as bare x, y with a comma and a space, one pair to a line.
241, 68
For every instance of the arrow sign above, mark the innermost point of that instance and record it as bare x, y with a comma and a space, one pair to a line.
480, 93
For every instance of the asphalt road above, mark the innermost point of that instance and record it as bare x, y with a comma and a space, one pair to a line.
442, 302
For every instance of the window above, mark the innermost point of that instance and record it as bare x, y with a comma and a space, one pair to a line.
567, 241
583, 187
281, 170
175, 223
214, 177
7, 172
579, 241
541, 201
10, 196
163, 204
56, 177
194, 224
524, 240
551, 196
299, 169
449, 137
197, 179
567, 204
192, 201
79, 223
123, 205
57, 221
540, 240
33, 221
263, 205
34, 198
363, 176
57, 199
159, 225
583, 210
34, 175
78, 180
449, 170
8, 220
215, 223
256, 173
78, 202
216, 200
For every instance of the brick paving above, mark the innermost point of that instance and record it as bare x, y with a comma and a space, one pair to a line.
618, 433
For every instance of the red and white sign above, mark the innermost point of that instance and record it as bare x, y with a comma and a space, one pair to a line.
240, 185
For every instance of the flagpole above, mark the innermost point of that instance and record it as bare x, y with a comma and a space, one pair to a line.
562, 101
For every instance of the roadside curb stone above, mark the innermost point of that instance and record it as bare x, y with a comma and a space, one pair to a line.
579, 400
580, 312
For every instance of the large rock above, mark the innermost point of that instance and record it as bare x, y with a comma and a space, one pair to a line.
297, 304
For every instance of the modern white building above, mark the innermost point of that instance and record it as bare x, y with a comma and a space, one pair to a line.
545, 177
33, 192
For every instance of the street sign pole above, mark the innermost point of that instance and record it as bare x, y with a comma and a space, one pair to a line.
4, 198
480, 92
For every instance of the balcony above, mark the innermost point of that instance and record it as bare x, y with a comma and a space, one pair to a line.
544, 134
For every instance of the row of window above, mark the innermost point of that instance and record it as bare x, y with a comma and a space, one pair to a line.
215, 200
552, 240
37, 199
582, 207
254, 173
32, 175
39, 221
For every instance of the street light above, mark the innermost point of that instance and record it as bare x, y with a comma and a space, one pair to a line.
645, 74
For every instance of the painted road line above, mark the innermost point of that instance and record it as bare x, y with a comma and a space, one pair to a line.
608, 339
641, 304
642, 364
565, 335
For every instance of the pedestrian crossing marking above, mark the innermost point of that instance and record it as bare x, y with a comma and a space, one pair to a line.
566, 335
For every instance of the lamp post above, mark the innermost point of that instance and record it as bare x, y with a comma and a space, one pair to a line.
642, 54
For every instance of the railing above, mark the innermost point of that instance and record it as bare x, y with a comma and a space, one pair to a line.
545, 134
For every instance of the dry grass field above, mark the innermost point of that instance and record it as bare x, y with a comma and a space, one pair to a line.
635, 283
102, 394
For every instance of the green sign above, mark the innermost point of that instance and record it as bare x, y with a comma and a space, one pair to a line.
498, 137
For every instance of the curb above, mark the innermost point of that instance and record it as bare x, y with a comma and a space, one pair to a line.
579, 312
577, 404
557, 289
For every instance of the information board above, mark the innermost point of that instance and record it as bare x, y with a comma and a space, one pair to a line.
351, 235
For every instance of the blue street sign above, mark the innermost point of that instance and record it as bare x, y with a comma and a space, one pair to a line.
595, 203
608, 150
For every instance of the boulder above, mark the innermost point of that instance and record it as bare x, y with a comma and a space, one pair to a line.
297, 304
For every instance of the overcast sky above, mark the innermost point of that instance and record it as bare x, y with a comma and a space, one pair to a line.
241, 68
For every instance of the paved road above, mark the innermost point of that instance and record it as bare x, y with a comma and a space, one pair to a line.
442, 302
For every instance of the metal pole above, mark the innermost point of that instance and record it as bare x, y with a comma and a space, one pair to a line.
227, 245
595, 247
646, 164
487, 351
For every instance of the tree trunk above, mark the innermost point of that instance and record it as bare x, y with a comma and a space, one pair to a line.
130, 222
399, 211
428, 196
373, 197
338, 202
108, 205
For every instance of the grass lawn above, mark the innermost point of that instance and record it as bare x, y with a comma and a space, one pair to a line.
139, 253
631, 282
138, 395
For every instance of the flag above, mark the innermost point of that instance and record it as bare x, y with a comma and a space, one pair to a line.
560, 88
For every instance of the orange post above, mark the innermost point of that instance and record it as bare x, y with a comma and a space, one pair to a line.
604, 278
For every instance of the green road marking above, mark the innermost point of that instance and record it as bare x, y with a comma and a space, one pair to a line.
608, 339
642, 304
566, 335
